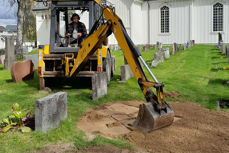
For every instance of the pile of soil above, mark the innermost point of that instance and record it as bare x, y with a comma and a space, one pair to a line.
172, 94
197, 129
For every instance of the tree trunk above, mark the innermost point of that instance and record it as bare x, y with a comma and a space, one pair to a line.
19, 39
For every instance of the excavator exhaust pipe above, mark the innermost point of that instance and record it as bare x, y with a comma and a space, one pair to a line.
150, 119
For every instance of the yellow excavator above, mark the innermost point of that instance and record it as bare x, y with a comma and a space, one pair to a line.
153, 114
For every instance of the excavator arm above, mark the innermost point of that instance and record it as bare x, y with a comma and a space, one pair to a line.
156, 113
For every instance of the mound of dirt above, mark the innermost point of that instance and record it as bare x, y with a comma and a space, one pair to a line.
172, 94
196, 129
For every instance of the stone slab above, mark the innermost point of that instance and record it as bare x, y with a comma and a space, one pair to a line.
10, 53
34, 58
2, 59
147, 47
223, 48
227, 52
99, 85
193, 42
166, 53
50, 111
154, 47
158, 58
22, 71
184, 46
178, 47
188, 44
126, 73
173, 49
113, 63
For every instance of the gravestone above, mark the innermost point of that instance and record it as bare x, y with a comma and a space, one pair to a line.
147, 47
188, 44
158, 58
159, 45
223, 49
227, 52
173, 49
50, 111
34, 58
166, 53
154, 47
113, 61
184, 46
2, 59
178, 47
193, 42
99, 85
220, 39
22, 71
10, 52
126, 73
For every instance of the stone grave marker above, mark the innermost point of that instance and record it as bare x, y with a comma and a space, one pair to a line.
50, 111
10, 52
158, 58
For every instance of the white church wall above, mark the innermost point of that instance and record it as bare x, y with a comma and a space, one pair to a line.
137, 21
179, 22
123, 10
203, 21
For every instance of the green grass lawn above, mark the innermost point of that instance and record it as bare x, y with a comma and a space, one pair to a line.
32, 52
197, 74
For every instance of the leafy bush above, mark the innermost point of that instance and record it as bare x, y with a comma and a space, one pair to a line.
15, 122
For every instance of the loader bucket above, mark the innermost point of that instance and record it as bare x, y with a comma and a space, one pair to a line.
149, 119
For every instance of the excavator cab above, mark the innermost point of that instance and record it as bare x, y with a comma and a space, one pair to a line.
61, 13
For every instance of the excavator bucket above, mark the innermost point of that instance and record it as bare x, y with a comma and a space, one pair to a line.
150, 119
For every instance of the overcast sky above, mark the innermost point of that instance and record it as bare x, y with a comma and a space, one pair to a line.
7, 13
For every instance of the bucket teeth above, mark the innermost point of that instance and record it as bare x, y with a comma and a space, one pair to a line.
150, 119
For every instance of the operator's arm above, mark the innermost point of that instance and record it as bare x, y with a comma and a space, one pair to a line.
70, 30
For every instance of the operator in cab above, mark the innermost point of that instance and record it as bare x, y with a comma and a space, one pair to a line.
76, 31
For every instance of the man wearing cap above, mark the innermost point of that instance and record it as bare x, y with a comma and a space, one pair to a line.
76, 30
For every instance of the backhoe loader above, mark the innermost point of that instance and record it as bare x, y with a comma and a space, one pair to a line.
71, 62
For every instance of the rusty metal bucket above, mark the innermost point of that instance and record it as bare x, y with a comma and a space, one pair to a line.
150, 119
